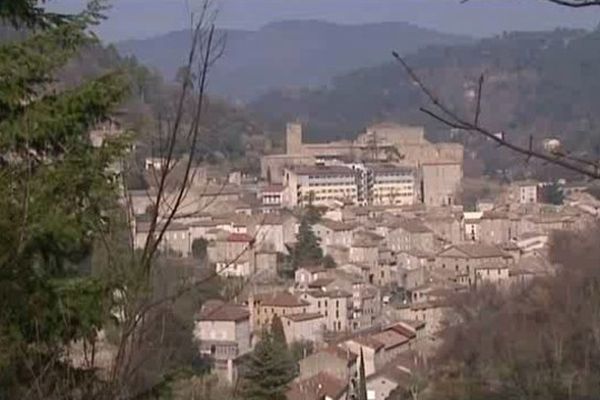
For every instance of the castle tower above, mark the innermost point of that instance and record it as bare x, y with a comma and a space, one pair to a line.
293, 138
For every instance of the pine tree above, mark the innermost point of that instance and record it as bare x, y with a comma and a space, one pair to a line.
55, 194
269, 371
277, 330
307, 250
553, 194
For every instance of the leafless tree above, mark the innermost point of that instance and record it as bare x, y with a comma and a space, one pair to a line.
146, 315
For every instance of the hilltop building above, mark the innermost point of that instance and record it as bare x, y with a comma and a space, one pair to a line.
390, 164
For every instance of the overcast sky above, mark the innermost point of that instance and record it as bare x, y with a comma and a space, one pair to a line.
143, 18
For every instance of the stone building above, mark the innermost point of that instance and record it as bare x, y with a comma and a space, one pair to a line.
303, 327
464, 259
334, 305
441, 180
264, 306
222, 332
176, 240
333, 233
233, 254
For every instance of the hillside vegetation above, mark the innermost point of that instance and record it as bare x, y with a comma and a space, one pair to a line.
288, 53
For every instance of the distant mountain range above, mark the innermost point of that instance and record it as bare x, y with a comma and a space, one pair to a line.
288, 54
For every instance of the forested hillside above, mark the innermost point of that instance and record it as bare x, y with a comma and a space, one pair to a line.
537, 83
287, 53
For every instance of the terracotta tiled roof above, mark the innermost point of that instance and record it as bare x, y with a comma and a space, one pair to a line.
321, 386
318, 283
413, 226
335, 225
272, 189
240, 237
332, 294
368, 341
279, 299
390, 338
303, 317
477, 250
173, 226
404, 330
223, 312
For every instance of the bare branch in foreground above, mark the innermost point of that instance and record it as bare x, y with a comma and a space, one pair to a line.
446, 116
565, 3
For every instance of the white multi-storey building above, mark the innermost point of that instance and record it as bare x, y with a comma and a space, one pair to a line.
377, 184
320, 185
389, 184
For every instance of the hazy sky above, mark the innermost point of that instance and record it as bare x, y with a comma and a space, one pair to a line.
143, 18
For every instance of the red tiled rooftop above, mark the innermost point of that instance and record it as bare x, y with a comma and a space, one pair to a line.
303, 316
368, 341
240, 237
321, 386
279, 299
390, 338
223, 312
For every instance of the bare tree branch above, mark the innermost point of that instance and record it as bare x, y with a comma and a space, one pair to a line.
565, 3
453, 120
478, 106
576, 3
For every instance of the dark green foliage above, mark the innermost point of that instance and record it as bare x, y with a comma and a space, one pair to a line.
29, 13
312, 213
268, 372
329, 262
199, 248
307, 250
277, 330
56, 191
552, 194
302, 349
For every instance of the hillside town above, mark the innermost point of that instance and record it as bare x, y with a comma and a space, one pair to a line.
395, 245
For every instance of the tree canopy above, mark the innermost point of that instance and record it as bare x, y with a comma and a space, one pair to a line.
56, 191
269, 370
